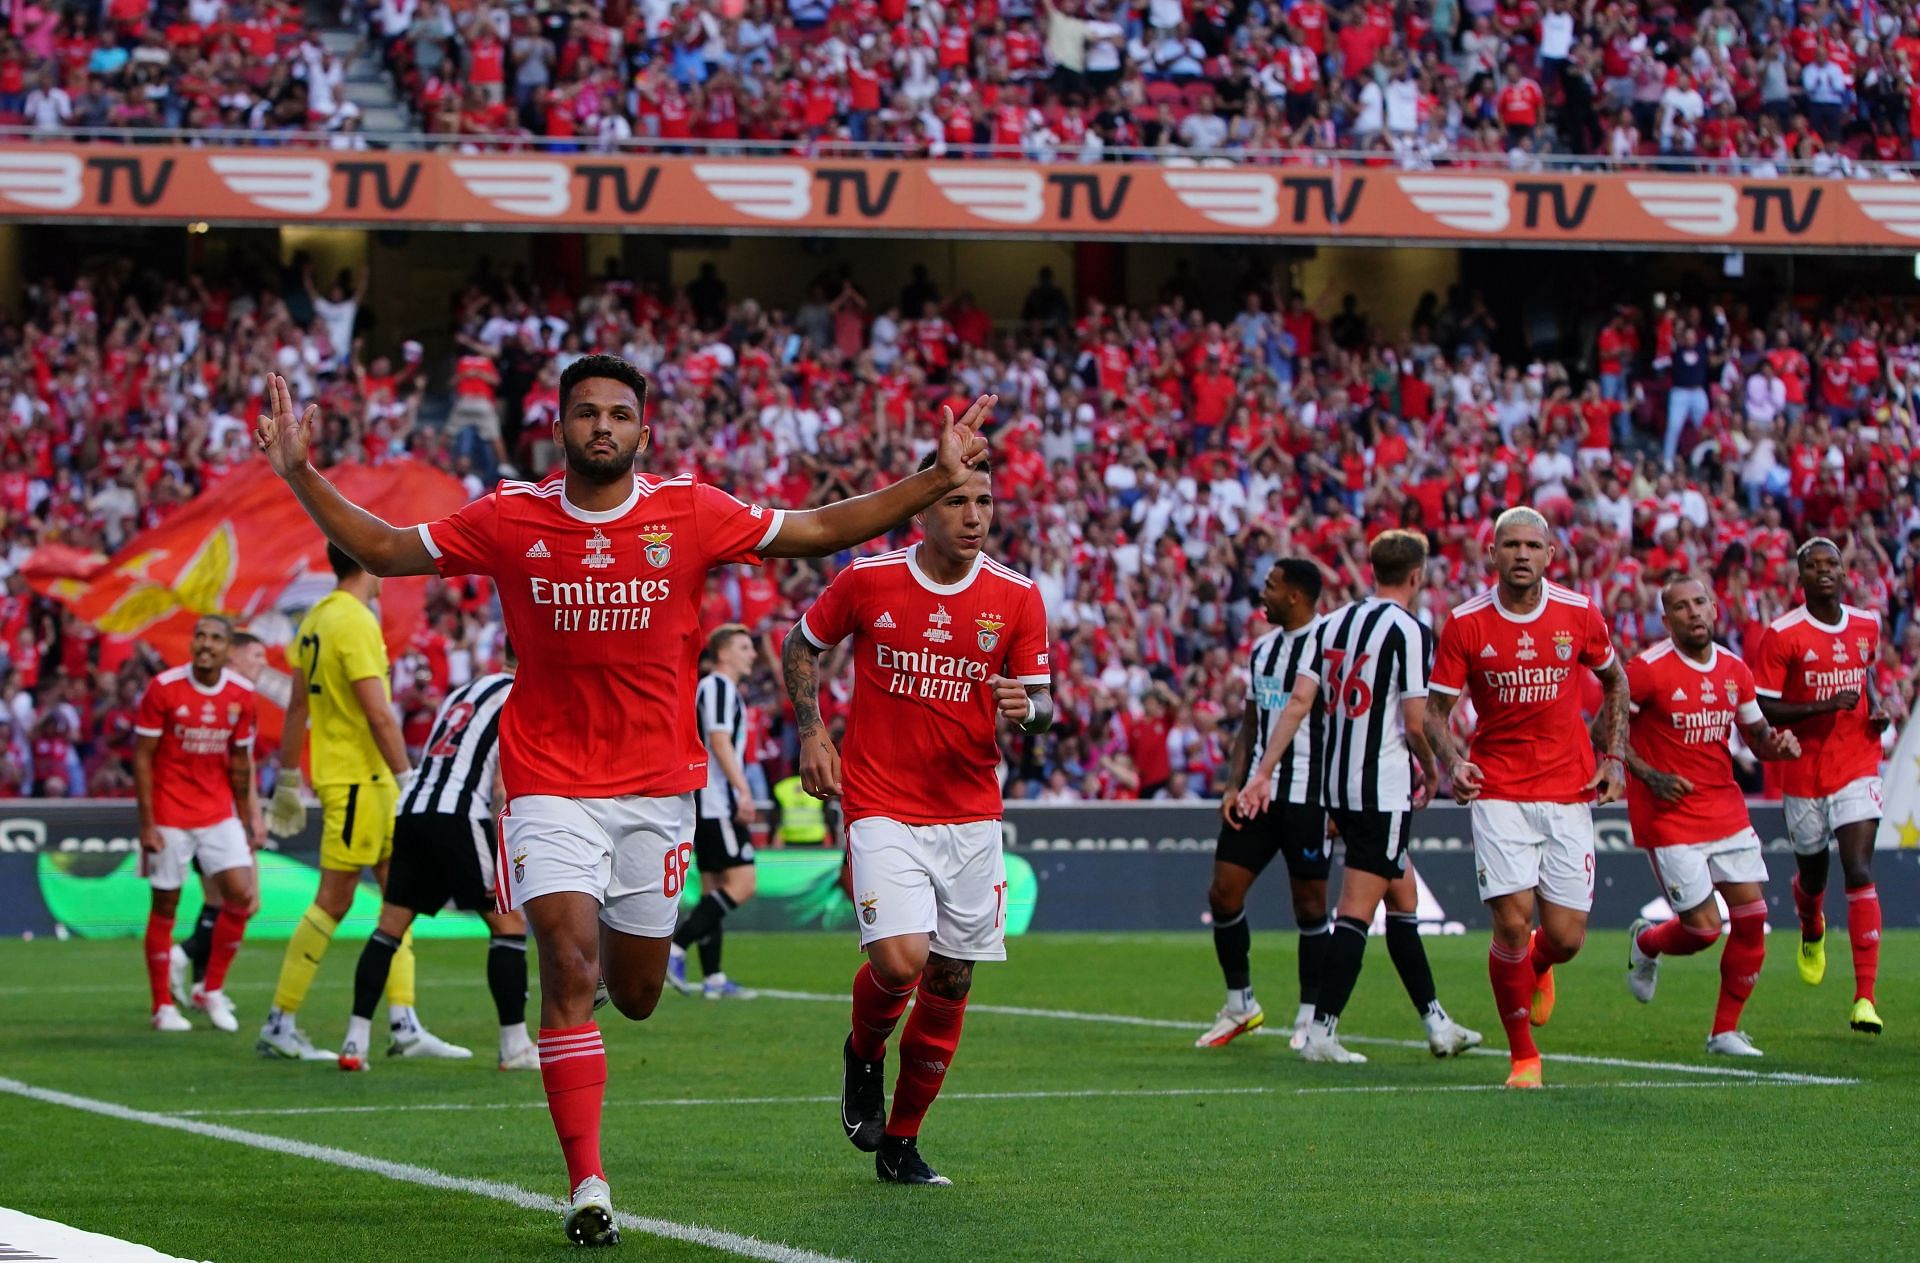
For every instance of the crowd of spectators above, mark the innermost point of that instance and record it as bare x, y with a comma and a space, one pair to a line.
1150, 463
1751, 86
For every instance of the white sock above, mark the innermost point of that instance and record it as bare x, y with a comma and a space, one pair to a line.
278, 1022
1304, 1015
513, 1038
717, 979
360, 1033
1240, 999
401, 1019
1435, 1015
676, 952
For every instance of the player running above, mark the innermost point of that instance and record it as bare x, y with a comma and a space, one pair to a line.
1688, 694
600, 571
945, 642
1530, 774
193, 778
444, 844
722, 844
1371, 659
341, 703
1814, 676
1296, 827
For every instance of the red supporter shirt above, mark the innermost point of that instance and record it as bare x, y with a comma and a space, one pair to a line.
604, 611
1530, 745
920, 744
198, 730
1683, 717
1802, 659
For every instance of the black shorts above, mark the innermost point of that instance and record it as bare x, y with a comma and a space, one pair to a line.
1291, 830
719, 845
439, 859
1376, 841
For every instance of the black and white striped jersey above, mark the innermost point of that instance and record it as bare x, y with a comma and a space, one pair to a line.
718, 706
1368, 657
456, 772
1276, 661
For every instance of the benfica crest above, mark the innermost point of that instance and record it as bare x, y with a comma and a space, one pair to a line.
1563, 645
1866, 651
659, 549
989, 633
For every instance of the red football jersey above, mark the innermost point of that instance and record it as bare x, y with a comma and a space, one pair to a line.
1804, 660
604, 613
1530, 743
1683, 716
199, 728
920, 744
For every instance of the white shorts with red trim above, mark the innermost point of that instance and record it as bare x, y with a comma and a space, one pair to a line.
1534, 846
947, 881
633, 854
218, 847
1688, 873
1813, 822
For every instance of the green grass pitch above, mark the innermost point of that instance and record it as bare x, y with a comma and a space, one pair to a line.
1132, 1144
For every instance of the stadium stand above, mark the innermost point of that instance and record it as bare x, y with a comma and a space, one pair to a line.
1150, 463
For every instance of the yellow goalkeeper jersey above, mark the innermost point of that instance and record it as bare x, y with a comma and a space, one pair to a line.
340, 642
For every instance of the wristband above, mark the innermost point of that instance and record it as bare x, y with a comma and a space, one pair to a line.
1033, 708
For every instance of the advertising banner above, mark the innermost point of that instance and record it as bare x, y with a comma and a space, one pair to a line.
644, 191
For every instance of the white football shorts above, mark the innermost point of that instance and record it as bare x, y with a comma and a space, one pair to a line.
1687, 873
633, 854
1812, 822
1529, 846
948, 881
218, 847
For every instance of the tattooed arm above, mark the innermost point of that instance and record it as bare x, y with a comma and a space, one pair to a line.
1466, 775
1610, 777
819, 761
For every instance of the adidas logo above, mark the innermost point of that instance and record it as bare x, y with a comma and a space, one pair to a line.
1487, 651
1679, 695
539, 549
1812, 656
884, 622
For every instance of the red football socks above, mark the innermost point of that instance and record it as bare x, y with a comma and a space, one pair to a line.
1675, 938
228, 929
1813, 921
927, 1047
1863, 930
159, 948
1513, 978
876, 1011
1545, 953
1740, 962
573, 1065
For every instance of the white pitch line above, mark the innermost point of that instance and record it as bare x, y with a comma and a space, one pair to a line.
427, 1177
1064, 1094
1574, 1059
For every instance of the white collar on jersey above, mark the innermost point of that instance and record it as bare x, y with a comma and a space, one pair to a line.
579, 514
1512, 617
942, 589
218, 685
1832, 629
1704, 668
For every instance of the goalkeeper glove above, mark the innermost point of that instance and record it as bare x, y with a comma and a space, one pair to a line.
286, 810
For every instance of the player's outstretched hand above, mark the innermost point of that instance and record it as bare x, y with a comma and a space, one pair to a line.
1610, 781
962, 445
281, 434
1466, 781
819, 766
286, 812
1010, 698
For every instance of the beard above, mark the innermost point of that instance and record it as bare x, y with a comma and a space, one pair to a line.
596, 468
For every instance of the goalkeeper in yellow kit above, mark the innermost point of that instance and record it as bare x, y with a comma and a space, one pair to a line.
341, 704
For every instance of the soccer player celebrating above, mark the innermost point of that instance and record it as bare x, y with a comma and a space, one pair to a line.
1530, 774
946, 641
722, 849
443, 852
600, 572
193, 778
1371, 659
1296, 827
1814, 677
1685, 809
340, 703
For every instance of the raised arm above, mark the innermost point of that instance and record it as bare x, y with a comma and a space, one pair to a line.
819, 761
383, 549
833, 527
